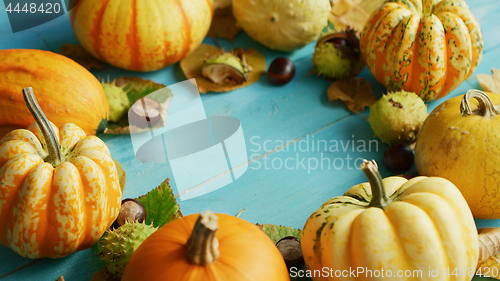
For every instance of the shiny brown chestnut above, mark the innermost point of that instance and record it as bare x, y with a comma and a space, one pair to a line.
292, 253
131, 211
281, 71
399, 158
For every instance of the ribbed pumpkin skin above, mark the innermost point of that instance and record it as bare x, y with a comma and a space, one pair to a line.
464, 150
141, 35
66, 92
428, 225
246, 254
52, 212
424, 46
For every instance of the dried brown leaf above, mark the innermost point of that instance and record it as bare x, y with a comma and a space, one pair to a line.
192, 65
80, 55
489, 251
104, 275
218, 4
224, 24
490, 83
353, 13
356, 93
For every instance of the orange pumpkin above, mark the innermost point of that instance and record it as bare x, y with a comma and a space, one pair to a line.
426, 47
59, 189
207, 247
141, 35
68, 93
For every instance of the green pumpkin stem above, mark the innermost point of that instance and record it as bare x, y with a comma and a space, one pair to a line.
486, 106
379, 198
53, 147
202, 245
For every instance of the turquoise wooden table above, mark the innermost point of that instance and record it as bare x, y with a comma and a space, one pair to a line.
278, 123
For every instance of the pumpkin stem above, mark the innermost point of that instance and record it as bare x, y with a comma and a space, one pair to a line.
379, 198
486, 106
202, 245
53, 147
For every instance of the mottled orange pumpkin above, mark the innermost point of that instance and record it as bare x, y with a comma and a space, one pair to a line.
67, 92
141, 35
59, 189
421, 46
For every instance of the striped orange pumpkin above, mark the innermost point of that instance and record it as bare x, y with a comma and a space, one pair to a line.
67, 92
422, 46
141, 35
59, 190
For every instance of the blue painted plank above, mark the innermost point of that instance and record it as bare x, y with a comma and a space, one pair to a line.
77, 266
274, 114
486, 13
11, 261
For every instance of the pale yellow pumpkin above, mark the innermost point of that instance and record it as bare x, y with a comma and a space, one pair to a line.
284, 25
424, 223
59, 189
460, 141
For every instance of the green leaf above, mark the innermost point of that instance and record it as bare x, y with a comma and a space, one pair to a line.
161, 205
328, 28
276, 232
136, 88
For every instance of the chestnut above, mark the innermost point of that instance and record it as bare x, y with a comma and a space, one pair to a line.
399, 158
281, 71
145, 113
292, 253
131, 211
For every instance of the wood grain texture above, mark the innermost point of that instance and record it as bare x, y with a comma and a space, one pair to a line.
276, 114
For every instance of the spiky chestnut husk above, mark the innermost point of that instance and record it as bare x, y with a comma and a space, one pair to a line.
337, 55
119, 244
397, 117
225, 67
118, 101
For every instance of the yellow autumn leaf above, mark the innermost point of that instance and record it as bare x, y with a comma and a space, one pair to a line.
192, 65
489, 252
353, 13
490, 83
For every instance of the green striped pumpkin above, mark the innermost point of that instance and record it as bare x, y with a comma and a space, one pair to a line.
424, 46
141, 35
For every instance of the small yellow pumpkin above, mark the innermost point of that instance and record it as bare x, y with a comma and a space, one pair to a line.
208, 247
422, 46
59, 189
460, 141
423, 224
